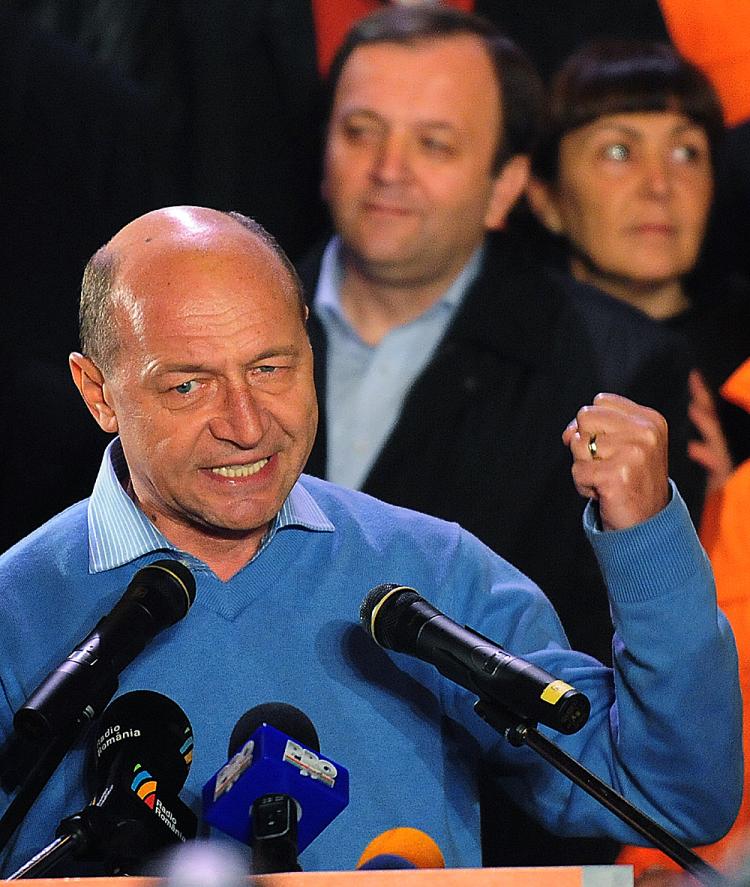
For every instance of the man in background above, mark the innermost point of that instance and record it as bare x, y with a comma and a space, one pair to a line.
444, 363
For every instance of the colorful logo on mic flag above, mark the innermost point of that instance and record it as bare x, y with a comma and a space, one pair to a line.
144, 785
186, 749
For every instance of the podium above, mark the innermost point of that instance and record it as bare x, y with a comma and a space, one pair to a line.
563, 876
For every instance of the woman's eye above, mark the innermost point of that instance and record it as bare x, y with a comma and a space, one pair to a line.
617, 151
686, 153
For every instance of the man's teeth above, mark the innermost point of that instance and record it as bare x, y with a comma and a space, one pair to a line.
240, 470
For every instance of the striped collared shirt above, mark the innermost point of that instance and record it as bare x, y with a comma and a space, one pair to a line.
119, 532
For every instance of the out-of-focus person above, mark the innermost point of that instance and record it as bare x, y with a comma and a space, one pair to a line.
436, 351
623, 177
725, 534
421, 318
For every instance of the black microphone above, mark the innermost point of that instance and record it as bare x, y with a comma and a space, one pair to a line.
398, 618
141, 755
158, 595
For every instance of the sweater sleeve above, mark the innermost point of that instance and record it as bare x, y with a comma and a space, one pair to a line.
665, 724
676, 727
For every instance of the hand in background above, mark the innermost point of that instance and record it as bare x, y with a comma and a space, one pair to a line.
711, 451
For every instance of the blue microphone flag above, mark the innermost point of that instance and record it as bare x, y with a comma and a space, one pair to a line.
271, 763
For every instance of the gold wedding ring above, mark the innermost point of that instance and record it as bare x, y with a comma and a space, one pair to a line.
593, 449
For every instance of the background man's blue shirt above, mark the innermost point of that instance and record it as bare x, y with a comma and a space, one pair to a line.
366, 384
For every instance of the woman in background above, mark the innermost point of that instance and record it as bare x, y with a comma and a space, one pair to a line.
623, 179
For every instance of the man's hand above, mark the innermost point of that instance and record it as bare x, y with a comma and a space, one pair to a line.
620, 459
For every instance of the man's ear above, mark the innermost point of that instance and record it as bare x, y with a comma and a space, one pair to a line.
508, 187
90, 382
543, 202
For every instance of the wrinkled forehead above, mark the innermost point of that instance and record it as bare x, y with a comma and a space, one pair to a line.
177, 278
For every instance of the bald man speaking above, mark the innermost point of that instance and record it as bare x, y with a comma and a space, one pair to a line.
195, 356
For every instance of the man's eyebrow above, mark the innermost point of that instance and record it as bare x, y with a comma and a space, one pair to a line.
286, 351
357, 111
187, 367
438, 124
371, 114
198, 367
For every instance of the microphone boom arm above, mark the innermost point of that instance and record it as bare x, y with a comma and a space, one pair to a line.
519, 732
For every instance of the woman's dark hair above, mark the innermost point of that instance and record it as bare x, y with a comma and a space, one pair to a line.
614, 77
521, 88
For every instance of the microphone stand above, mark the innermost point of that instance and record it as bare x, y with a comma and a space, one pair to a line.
520, 732
54, 748
54, 751
91, 830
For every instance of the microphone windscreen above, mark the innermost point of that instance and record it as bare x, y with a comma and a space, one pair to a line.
165, 588
284, 717
384, 616
384, 861
144, 725
409, 844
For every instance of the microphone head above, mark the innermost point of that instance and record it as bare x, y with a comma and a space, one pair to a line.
144, 727
284, 717
380, 614
165, 589
409, 845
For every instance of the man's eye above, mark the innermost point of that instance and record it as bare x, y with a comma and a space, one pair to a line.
617, 151
437, 146
185, 387
361, 132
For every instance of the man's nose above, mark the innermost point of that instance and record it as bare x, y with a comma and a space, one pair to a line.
239, 419
391, 161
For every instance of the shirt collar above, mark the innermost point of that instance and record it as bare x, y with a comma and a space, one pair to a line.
327, 298
119, 532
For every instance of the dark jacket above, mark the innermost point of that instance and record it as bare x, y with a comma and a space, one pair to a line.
478, 439
478, 442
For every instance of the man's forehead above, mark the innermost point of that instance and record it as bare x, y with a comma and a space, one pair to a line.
452, 72
183, 271
172, 257
375, 58
187, 291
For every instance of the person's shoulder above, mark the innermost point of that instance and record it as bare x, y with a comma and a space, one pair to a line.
600, 307
430, 551
57, 542
622, 335
379, 524
549, 293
